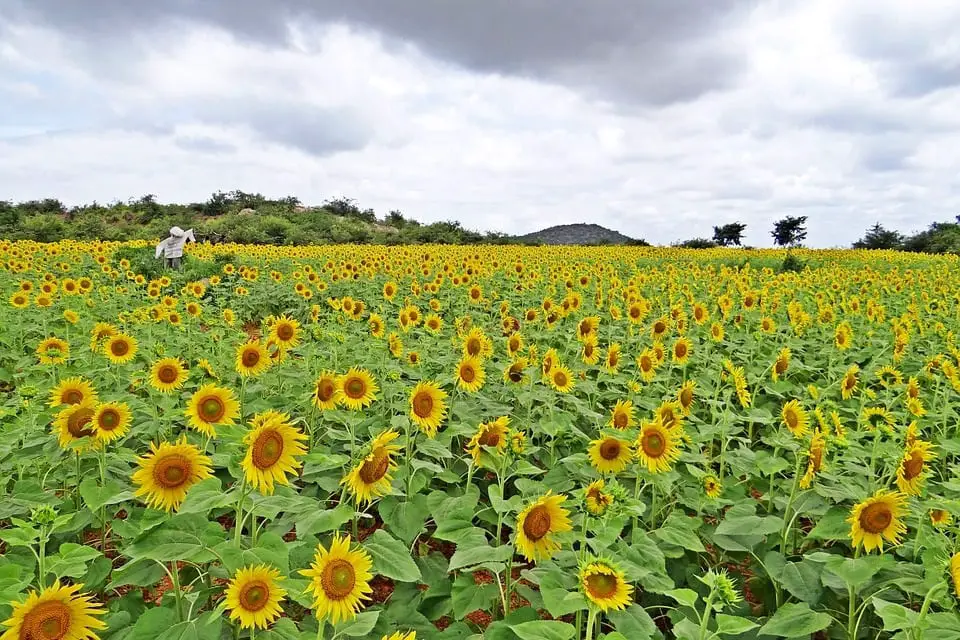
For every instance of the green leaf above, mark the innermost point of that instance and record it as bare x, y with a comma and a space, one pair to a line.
856, 571
467, 596
206, 496
282, 629
633, 622
95, 496
405, 518
184, 537
750, 526
71, 560
543, 630
321, 521
686, 597
139, 573
206, 627
895, 616
359, 626
832, 526
391, 558
475, 550
733, 625
795, 620
19, 537
680, 530
153, 622
558, 598
802, 579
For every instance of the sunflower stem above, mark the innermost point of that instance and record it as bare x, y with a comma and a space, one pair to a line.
239, 517
320, 625
707, 610
787, 522
178, 595
591, 618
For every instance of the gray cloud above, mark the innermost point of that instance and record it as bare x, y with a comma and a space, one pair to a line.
203, 144
639, 51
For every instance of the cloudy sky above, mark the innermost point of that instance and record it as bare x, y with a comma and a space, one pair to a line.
658, 118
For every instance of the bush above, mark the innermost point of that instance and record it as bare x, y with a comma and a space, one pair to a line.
792, 264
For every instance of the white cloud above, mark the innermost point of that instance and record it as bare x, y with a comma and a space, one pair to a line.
813, 125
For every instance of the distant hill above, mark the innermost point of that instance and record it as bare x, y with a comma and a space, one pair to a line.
577, 234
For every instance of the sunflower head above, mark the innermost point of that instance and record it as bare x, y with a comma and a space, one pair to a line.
253, 358
876, 519
491, 434
537, 526
610, 455
370, 478
167, 473
273, 446
795, 418
120, 348
357, 389
596, 499
253, 596
428, 407
211, 406
111, 421
712, 486
57, 612
605, 585
339, 580
470, 375
72, 391
561, 379
622, 415
168, 374
75, 423
658, 446
326, 391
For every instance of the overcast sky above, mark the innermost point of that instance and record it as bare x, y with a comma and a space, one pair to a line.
658, 118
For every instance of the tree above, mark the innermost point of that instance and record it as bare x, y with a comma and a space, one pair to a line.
696, 243
729, 234
877, 237
395, 219
790, 231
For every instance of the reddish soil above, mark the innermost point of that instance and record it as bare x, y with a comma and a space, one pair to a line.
443, 622
382, 589
480, 618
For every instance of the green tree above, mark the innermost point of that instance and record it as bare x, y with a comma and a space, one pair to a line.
878, 237
729, 234
790, 231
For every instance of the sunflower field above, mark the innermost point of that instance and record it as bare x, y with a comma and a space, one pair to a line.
509, 443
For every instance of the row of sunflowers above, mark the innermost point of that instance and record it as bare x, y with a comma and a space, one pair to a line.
478, 442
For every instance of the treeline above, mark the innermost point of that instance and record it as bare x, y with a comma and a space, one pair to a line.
939, 237
235, 216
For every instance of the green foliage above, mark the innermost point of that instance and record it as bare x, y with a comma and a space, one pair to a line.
696, 243
878, 237
790, 231
729, 234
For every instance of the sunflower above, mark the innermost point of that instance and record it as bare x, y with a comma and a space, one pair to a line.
670, 414
587, 326
339, 580
818, 448
915, 407
58, 612
272, 448
371, 478
913, 388
253, 596
550, 359
681, 350
71, 316
53, 351
712, 486
399, 635
538, 523
395, 344
911, 470
470, 375
716, 332
286, 332
476, 343
589, 353
843, 336
72, 391
514, 372
357, 388
376, 325
781, 364
611, 361
622, 415
518, 442
168, 374
514, 344
326, 392
659, 328
167, 473
877, 518
428, 407
889, 376
686, 397
252, 359
491, 434
848, 386
955, 572
605, 586
111, 420
210, 406
120, 348
610, 455
876, 418
940, 518
74, 423
795, 418
657, 446
596, 499
20, 299
647, 363
561, 378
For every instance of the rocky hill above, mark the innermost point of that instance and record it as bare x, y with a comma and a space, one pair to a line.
577, 234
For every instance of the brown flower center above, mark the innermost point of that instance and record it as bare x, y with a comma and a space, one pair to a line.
376, 467
355, 388
79, 423
423, 404
490, 437
46, 621
680, 350
646, 364
686, 397
610, 449
119, 348
653, 443
212, 409
560, 379
613, 359
791, 418
254, 596
781, 366
474, 346
601, 585
73, 396
516, 372
108, 420
172, 471
285, 332
250, 358
325, 390
876, 517
467, 373
620, 419
167, 374
913, 465
267, 449
537, 523
338, 579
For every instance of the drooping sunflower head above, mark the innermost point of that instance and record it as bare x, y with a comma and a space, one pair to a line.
514, 373
716, 332
167, 473
53, 351
605, 586
877, 418
253, 358
370, 478
72, 391
74, 423
470, 375
589, 352
686, 397
57, 612
326, 391
273, 446
781, 364
889, 376
550, 358
911, 473
610, 455
561, 378
669, 414
537, 526
657, 446
711, 486
211, 406
622, 415
647, 364
877, 519
168, 374
339, 580
253, 596
357, 388
492, 434
111, 420
587, 326
596, 499
428, 407
795, 418
612, 359
120, 348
